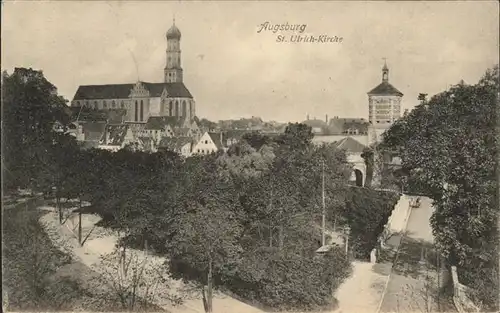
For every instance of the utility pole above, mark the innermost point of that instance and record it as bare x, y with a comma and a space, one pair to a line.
270, 222
323, 217
80, 221
347, 233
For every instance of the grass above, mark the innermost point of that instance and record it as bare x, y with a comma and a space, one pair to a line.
32, 266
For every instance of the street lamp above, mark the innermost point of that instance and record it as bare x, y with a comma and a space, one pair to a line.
347, 232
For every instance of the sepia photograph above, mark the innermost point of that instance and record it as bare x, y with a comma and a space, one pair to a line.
250, 156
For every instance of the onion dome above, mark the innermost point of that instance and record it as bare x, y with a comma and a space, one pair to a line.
173, 32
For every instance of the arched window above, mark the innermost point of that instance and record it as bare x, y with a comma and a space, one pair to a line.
142, 111
170, 108
136, 111
104, 104
176, 108
122, 104
184, 108
113, 105
95, 104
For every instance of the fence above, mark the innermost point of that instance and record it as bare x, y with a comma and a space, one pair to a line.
29, 203
460, 297
398, 219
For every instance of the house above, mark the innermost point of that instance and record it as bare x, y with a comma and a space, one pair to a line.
317, 126
212, 142
180, 145
209, 143
116, 137
232, 137
158, 127
340, 128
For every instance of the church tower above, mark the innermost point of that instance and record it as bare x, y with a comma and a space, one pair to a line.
384, 106
173, 69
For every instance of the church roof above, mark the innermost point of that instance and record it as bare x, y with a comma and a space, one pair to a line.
385, 89
174, 90
350, 145
122, 91
91, 92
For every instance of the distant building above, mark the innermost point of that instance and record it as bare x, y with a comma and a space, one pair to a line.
354, 150
116, 137
384, 106
208, 143
318, 127
355, 134
340, 128
181, 145
212, 142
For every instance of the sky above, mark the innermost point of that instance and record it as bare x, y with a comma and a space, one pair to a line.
233, 71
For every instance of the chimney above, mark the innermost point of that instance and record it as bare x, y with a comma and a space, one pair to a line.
326, 119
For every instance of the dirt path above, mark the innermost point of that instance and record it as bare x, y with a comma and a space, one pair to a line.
102, 241
363, 290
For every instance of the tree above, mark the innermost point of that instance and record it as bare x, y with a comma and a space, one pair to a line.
256, 140
368, 157
134, 278
31, 107
449, 147
367, 212
207, 125
204, 238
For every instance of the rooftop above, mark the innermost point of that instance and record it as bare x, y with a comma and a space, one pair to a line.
122, 91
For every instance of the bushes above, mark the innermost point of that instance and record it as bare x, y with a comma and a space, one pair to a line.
278, 281
289, 281
366, 212
483, 280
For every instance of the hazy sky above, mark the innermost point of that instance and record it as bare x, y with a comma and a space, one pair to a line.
233, 71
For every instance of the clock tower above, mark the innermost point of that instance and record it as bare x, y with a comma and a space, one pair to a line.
384, 106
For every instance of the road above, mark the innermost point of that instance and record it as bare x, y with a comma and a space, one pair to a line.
413, 281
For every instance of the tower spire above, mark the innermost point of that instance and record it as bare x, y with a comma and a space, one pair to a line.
385, 71
173, 68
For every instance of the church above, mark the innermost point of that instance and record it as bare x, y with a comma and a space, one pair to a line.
139, 102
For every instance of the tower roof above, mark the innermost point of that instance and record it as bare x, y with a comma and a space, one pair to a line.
385, 68
174, 32
385, 89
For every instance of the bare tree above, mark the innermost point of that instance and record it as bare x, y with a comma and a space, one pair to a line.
134, 278
421, 298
